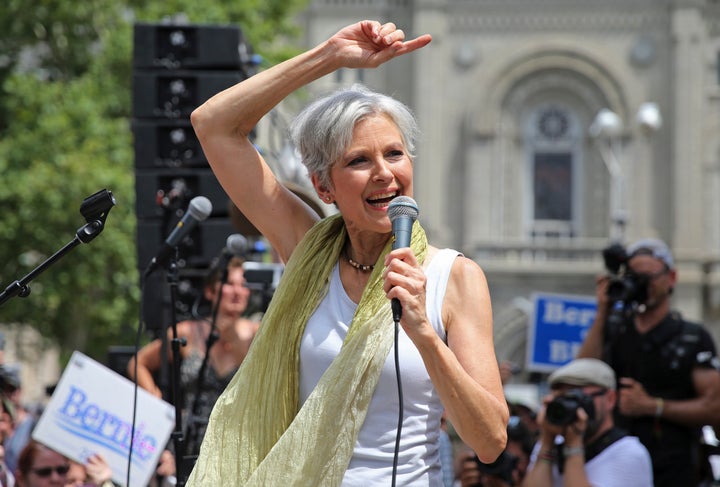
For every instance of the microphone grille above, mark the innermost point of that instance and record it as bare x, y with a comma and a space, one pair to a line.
200, 208
403, 206
236, 244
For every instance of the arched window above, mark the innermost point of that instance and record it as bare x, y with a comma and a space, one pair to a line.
553, 141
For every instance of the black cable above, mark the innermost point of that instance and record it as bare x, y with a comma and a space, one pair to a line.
192, 427
135, 382
400, 400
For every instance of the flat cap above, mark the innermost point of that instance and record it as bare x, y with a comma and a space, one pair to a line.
584, 372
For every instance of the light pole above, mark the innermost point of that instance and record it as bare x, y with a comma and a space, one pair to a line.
606, 129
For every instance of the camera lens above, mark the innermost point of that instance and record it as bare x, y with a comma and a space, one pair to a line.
562, 410
630, 288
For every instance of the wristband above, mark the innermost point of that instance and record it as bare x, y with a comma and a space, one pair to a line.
569, 451
659, 406
547, 456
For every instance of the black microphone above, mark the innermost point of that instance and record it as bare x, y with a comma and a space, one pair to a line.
402, 211
198, 210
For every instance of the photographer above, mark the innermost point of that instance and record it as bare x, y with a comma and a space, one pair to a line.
667, 367
579, 444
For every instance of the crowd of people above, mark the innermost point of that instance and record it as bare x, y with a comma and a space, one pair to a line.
25, 462
215, 346
631, 408
667, 367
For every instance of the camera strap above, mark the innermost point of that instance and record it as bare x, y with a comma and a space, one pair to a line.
607, 439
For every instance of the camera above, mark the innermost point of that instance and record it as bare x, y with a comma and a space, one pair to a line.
562, 410
624, 285
502, 467
629, 288
506, 465
262, 279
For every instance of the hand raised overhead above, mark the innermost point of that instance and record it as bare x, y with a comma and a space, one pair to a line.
368, 44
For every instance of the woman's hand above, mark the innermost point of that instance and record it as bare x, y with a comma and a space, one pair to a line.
368, 44
406, 281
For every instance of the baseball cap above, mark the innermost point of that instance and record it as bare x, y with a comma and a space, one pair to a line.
584, 372
651, 246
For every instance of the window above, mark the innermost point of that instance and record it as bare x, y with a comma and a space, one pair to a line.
552, 140
552, 186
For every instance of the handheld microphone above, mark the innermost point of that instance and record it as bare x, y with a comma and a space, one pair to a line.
198, 210
402, 211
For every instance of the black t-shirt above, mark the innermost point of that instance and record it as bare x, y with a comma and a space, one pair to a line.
662, 360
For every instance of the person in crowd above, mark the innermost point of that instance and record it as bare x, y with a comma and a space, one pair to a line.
447, 454
7, 422
229, 337
76, 475
317, 399
509, 468
24, 419
669, 383
96, 472
579, 444
40, 466
524, 401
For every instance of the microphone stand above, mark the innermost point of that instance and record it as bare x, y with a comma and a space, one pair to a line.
211, 339
95, 209
84, 234
177, 435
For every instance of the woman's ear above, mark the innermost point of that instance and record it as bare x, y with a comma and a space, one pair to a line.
322, 191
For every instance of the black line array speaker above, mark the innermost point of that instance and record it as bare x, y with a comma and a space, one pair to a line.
176, 68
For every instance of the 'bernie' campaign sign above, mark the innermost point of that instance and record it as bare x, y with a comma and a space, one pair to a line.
91, 411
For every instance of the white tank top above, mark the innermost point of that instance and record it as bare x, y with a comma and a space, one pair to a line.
372, 460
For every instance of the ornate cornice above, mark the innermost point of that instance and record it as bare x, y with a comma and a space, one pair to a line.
531, 21
361, 3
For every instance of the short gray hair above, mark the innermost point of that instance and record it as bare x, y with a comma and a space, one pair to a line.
323, 131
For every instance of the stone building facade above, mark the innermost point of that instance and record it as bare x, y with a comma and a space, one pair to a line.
508, 170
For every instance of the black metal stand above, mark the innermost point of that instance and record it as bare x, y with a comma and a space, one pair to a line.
95, 209
178, 437
213, 337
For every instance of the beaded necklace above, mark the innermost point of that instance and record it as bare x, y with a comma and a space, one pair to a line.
360, 267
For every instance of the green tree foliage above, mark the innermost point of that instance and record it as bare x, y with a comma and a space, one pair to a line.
65, 111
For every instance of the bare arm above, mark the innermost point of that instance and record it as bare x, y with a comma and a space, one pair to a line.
224, 122
465, 371
701, 410
148, 362
149, 359
592, 345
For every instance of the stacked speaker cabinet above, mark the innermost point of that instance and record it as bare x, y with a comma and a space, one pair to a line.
175, 69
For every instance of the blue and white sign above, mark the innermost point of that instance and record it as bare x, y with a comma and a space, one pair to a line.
557, 329
91, 411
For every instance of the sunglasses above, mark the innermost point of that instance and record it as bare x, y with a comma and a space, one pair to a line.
47, 471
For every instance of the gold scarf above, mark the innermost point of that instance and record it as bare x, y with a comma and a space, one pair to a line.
256, 436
